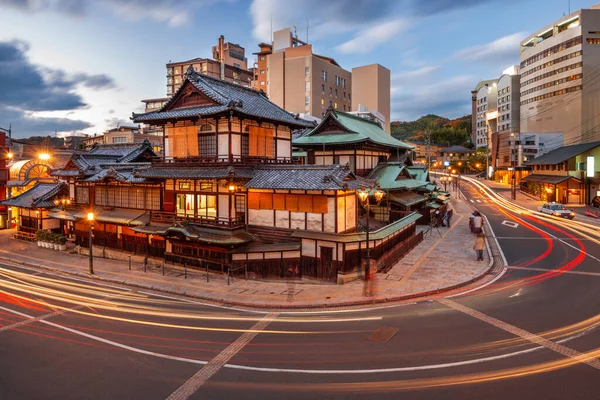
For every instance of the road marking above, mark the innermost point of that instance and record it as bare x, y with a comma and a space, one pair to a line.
539, 340
557, 271
510, 224
482, 286
195, 382
471, 200
37, 319
479, 201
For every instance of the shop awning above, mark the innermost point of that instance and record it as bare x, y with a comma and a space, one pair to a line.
118, 217
197, 233
62, 214
551, 179
433, 204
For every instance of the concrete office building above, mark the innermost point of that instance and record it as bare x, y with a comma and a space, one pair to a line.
560, 71
234, 66
371, 90
300, 81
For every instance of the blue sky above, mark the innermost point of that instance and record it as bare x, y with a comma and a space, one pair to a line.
84, 65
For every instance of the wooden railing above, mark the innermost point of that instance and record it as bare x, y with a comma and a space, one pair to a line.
170, 217
208, 161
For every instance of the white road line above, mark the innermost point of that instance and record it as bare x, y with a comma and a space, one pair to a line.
301, 371
471, 200
480, 287
195, 382
539, 340
556, 271
479, 201
36, 319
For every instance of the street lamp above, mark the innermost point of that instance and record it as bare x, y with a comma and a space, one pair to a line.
363, 195
44, 156
446, 180
90, 218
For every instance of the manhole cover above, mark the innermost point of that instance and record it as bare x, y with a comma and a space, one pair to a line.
383, 334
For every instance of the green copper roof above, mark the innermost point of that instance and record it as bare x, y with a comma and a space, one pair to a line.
356, 130
387, 176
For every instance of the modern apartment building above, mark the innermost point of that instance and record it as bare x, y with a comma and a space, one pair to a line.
371, 90
300, 81
229, 63
560, 71
485, 101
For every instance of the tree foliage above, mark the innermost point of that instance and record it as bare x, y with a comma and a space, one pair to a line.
443, 130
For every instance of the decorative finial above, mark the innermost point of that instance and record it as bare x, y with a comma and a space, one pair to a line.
190, 71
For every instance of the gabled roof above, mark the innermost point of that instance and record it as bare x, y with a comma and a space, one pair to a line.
224, 96
419, 172
305, 177
562, 154
185, 172
338, 127
39, 196
104, 156
395, 176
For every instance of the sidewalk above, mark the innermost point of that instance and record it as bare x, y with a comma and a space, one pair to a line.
531, 203
436, 264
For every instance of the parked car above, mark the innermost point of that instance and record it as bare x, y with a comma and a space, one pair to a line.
557, 210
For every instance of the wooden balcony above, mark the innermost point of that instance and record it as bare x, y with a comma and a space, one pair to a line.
167, 162
171, 217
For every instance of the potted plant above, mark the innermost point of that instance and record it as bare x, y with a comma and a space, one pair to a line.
55, 239
39, 236
62, 243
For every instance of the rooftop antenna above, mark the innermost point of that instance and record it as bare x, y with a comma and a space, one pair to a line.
271, 28
306, 30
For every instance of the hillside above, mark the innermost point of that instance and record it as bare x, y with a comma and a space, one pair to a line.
456, 131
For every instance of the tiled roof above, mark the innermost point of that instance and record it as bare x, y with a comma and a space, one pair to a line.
228, 96
195, 173
552, 179
198, 233
305, 177
39, 196
562, 154
357, 130
408, 199
121, 174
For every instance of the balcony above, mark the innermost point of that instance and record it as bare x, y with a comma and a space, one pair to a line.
171, 217
210, 161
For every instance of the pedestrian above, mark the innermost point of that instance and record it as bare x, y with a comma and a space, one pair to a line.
477, 222
479, 245
449, 216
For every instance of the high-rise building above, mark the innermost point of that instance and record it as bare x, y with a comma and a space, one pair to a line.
560, 78
300, 81
371, 90
229, 63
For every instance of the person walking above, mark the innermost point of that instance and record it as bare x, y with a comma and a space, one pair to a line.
479, 245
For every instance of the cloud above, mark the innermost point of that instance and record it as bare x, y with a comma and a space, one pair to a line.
413, 75
28, 90
174, 12
325, 17
431, 7
446, 97
367, 39
503, 50
24, 124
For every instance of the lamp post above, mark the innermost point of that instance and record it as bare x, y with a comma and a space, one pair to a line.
513, 186
363, 195
90, 218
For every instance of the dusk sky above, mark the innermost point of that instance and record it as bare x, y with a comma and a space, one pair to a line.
84, 66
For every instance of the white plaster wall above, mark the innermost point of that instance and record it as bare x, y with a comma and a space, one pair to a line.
272, 255
308, 248
313, 222
282, 219
50, 223
341, 214
297, 220
237, 257
291, 254
260, 217
255, 256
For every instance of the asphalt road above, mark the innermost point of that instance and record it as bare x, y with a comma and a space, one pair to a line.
531, 334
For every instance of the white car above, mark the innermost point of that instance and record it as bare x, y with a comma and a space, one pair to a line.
557, 210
